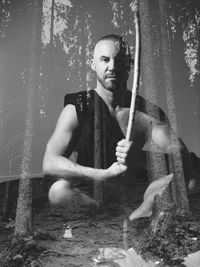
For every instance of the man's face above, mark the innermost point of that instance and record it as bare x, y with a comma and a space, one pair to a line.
110, 65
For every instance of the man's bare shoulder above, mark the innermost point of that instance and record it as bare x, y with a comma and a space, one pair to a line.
68, 118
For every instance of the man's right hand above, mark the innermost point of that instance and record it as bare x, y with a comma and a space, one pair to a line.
116, 169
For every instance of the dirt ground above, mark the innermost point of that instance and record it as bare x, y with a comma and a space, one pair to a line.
92, 229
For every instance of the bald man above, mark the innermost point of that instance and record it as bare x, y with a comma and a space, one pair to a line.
75, 129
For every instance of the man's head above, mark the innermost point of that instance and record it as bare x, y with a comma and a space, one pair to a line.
111, 62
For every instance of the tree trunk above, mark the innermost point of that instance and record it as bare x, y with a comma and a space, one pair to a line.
175, 195
179, 194
156, 161
23, 221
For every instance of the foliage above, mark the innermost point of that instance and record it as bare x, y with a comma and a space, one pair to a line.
184, 19
22, 254
174, 241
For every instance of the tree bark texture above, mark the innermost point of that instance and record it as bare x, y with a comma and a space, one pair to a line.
179, 194
156, 161
23, 221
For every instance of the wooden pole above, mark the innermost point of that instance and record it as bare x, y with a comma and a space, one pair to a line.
136, 75
133, 98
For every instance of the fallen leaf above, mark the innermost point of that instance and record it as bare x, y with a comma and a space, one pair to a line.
155, 188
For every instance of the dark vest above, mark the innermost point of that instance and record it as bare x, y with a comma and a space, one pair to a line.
98, 132
97, 129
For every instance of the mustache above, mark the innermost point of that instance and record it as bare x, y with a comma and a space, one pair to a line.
111, 75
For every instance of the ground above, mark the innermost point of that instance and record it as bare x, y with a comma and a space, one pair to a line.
91, 229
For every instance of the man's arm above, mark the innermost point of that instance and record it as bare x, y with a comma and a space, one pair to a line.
55, 164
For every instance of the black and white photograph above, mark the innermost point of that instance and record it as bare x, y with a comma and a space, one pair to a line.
99, 133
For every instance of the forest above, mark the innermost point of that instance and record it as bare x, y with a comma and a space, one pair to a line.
46, 50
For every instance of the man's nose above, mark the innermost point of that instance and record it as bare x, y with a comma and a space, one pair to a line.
111, 65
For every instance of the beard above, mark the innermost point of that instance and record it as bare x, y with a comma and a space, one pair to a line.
108, 84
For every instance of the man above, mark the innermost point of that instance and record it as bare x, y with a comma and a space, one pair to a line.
101, 110
111, 63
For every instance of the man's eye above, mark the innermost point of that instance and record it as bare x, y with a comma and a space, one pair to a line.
106, 60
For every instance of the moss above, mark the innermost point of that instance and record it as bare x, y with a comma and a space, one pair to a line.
174, 240
22, 254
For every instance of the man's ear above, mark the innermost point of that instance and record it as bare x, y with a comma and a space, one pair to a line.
93, 66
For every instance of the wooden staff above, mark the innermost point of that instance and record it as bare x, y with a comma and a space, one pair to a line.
136, 76
133, 99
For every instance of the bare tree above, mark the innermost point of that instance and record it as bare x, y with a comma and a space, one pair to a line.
179, 194
23, 221
175, 196
156, 161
